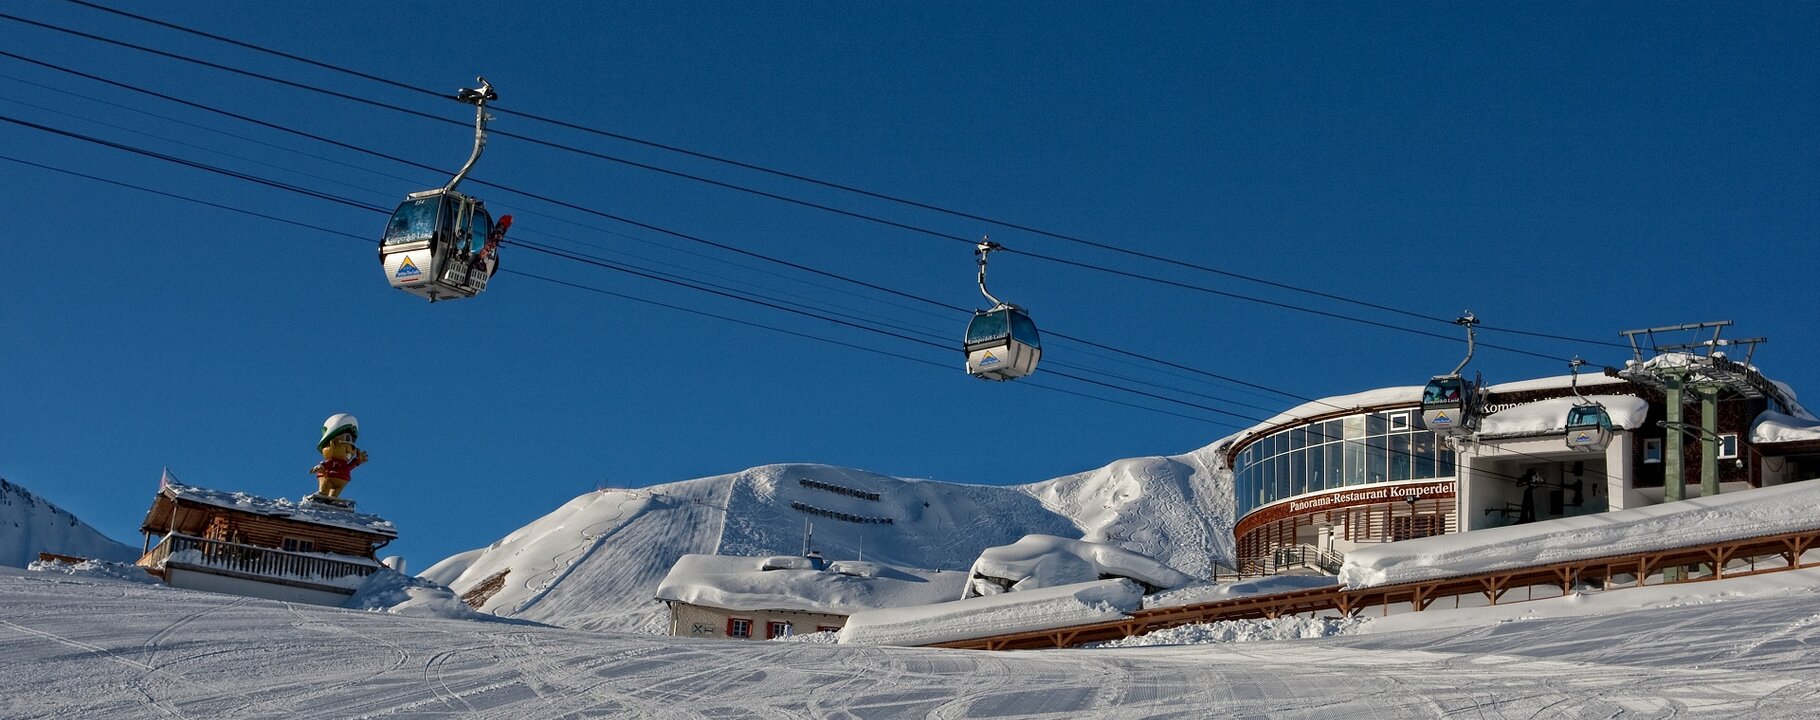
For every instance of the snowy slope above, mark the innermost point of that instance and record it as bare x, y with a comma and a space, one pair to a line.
29, 525
1176, 509
596, 562
82, 648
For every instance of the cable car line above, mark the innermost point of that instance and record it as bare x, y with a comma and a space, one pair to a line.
378, 209
546, 249
364, 240
805, 203
834, 185
944, 367
575, 257
583, 258
194, 164
186, 123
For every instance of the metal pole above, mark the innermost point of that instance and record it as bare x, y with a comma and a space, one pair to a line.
1709, 439
1674, 485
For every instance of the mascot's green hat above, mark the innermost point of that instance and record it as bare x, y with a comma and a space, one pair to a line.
337, 425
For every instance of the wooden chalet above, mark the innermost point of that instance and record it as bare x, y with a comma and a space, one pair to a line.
246, 545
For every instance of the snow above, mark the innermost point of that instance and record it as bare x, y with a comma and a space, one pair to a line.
1549, 417
126, 572
1039, 561
392, 592
1733, 648
1077, 604
1215, 592
30, 525
1400, 395
1775, 427
1231, 631
1750, 513
745, 583
596, 562
1586, 379
280, 507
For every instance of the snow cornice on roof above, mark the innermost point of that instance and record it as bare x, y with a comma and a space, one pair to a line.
280, 508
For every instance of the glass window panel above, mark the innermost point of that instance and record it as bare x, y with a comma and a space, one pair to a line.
1376, 461
1354, 427
1297, 481
1444, 462
1375, 424
987, 326
1399, 457
1024, 331
1267, 481
1282, 477
415, 220
1355, 462
1334, 466
1317, 463
1333, 431
1423, 448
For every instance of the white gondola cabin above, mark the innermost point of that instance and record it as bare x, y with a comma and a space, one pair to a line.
1447, 406
1002, 344
436, 246
442, 244
1588, 428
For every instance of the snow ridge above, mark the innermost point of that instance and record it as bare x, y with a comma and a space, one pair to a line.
30, 525
597, 561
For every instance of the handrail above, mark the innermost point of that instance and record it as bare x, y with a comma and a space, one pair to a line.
251, 560
1721, 558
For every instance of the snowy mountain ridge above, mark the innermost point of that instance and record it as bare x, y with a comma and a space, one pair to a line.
30, 525
597, 561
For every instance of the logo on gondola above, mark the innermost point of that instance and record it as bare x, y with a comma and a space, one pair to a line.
408, 269
1582, 439
989, 359
1441, 419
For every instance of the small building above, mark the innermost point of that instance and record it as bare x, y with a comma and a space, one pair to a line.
241, 544
720, 596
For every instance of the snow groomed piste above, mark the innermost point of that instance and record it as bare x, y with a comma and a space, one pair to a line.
1704, 539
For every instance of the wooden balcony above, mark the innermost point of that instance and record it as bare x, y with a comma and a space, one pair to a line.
249, 562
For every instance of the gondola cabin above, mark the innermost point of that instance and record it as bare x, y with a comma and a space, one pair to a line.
433, 246
1446, 405
1002, 344
1588, 428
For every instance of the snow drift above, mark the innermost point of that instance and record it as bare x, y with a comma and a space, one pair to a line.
1751, 513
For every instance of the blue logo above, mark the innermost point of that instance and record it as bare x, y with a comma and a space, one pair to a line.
989, 359
408, 269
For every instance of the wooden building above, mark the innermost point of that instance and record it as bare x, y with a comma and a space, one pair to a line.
246, 545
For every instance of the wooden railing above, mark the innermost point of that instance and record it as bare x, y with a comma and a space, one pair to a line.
250, 560
1713, 561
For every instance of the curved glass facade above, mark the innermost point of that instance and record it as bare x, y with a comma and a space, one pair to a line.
1384, 446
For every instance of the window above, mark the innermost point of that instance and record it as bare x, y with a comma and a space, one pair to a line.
739, 627
827, 628
297, 545
1728, 446
1399, 421
777, 629
415, 220
1652, 450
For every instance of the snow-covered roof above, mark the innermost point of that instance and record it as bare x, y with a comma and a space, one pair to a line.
1402, 395
281, 508
1412, 395
1039, 561
1062, 606
1549, 417
1751, 513
846, 587
1775, 427
1558, 382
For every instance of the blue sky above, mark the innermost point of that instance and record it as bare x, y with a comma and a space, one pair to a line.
1571, 169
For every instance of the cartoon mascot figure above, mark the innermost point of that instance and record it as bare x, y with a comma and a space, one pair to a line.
339, 456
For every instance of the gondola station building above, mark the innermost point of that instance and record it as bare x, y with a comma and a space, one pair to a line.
1342, 473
